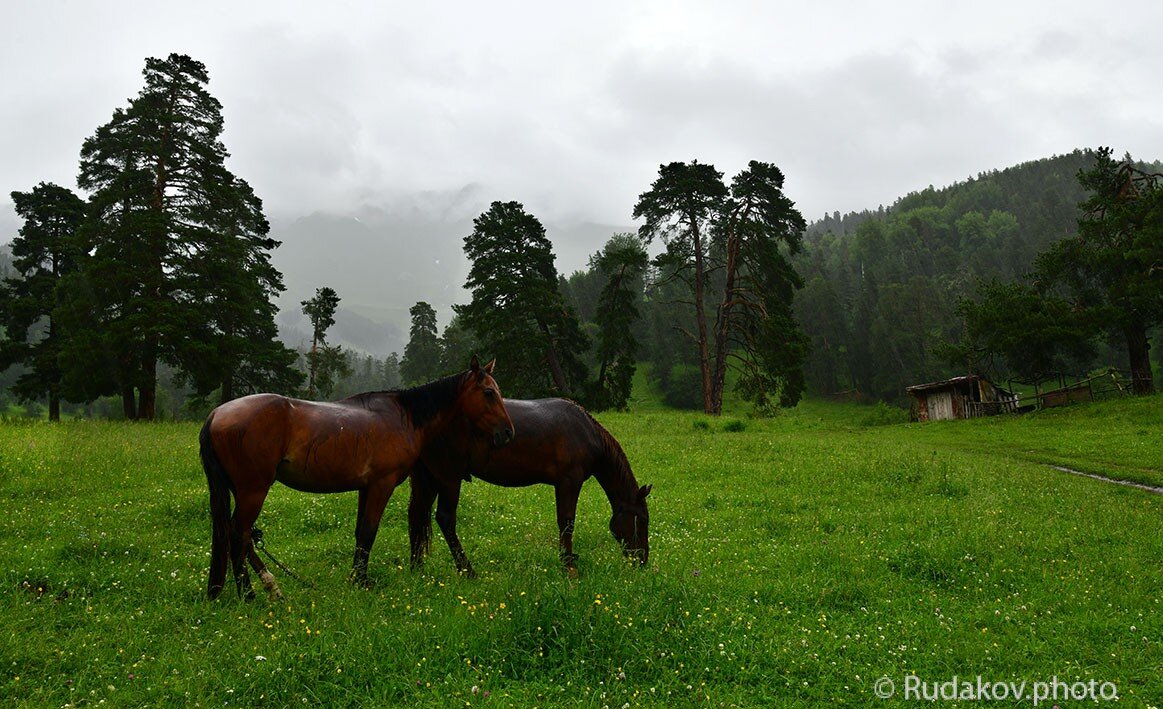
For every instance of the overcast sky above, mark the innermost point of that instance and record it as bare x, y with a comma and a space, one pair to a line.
571, 109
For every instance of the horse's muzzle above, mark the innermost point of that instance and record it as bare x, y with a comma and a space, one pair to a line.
502, 437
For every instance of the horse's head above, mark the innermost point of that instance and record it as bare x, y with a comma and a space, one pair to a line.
630, 526
482, 404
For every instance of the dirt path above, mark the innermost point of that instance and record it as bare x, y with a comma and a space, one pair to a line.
1128, 483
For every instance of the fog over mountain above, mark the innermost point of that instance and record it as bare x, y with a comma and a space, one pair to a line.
9, 222
382, 259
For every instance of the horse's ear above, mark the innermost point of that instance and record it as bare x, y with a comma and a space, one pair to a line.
644, 491
489, 367
474, 365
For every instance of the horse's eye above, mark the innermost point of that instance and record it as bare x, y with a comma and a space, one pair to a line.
490, 393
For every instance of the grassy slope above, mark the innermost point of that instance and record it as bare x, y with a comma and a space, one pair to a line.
794, 561
1118, 439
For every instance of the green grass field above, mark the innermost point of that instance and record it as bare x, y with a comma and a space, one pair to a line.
794, 561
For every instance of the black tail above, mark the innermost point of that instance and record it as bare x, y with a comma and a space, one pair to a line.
219, 483
423, 493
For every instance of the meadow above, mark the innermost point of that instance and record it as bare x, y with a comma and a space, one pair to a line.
795, 561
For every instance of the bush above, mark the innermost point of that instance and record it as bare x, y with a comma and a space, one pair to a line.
683, 389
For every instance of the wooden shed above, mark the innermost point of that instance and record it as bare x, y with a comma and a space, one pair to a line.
965, 397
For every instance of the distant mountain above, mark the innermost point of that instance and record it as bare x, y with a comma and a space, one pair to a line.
379, 267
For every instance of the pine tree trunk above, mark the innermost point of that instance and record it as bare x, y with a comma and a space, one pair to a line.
554, 363
227, 389
147, 403
700, 316
723, 326
54, 397
1139, 352
147, 391
312, 361
128, 403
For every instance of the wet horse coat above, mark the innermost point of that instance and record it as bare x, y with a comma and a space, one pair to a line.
558, 443
366, 443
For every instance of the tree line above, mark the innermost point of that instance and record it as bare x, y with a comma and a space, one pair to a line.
164, 268
723, 282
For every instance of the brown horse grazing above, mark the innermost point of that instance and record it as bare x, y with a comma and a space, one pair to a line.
368, 442
559, 444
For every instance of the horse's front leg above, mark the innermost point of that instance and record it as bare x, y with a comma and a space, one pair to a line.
446, 504
566, 495
372, 501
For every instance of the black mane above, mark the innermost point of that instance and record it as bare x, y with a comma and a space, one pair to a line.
622, 482
421, 402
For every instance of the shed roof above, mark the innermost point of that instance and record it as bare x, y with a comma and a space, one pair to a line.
965, 379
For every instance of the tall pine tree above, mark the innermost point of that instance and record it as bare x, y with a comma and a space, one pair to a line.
422, 354
737, 239
680, 208
754, 324
621, 262
43, 253
179, 268
517, 311
324, 362
1112, 267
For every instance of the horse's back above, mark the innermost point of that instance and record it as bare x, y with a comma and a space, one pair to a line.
248, 411
555, 439
559, 420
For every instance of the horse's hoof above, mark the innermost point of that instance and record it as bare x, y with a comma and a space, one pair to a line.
271, 586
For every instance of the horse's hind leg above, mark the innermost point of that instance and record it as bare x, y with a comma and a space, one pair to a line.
446, 504
264, 575
246, 508
238, 563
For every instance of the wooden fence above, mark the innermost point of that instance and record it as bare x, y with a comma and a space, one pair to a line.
977, 409
1108, 385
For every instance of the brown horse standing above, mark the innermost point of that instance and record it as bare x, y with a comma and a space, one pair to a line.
559, 444
368, 442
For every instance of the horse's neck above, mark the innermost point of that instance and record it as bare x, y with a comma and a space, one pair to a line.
620, 487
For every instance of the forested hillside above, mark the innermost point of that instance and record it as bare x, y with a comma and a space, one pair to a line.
881, 288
